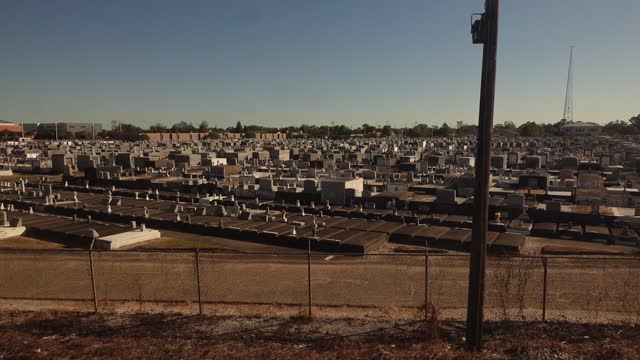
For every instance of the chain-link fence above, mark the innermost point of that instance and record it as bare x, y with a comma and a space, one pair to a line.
32, 280
398, 286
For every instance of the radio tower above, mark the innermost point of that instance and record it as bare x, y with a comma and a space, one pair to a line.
568, 98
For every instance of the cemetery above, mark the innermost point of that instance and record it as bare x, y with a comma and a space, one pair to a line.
352, 195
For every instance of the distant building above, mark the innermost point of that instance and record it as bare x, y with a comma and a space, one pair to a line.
258, 135
270, 135
186, 137
63, 128
581, 129
30, 128
87, 128
5, 125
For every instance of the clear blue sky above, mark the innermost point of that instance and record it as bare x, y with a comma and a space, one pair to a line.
278, 63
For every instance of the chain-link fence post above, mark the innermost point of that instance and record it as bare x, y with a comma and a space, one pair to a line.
426, 282
93, 281
544, 290
309, 277
198, 281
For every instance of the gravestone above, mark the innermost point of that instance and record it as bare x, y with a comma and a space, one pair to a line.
219, 210
554, 206
445, 196
515, 201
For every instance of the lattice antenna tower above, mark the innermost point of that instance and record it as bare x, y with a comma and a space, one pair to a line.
568, 98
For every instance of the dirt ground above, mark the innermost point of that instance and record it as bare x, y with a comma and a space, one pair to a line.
53, 335
31, 177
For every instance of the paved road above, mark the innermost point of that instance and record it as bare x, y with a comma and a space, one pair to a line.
587, 289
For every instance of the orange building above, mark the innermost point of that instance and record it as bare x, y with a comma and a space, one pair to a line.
5, 125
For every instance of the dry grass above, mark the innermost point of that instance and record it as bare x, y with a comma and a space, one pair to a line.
50, 335
180, 243
22, 242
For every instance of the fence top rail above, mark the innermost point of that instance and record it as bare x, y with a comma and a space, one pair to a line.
316, 253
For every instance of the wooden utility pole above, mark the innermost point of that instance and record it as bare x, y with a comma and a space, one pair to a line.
484, 31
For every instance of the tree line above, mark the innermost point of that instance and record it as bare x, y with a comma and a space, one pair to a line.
530, 128
130, 132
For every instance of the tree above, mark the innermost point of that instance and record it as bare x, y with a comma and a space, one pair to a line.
530, 128
508, 125
314, 130
444, 130
81, 135
238, 128
635, 122
42, 133
617, 127
341, 131
386, 130
8, 135
123, 132
290, 129
368, 129
555, 129
622, 127
203, 127
420, 131
465, 129
158, 128
213, 134
183, 127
